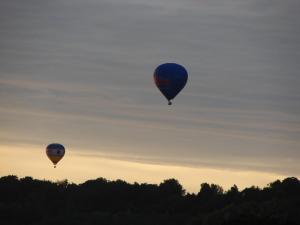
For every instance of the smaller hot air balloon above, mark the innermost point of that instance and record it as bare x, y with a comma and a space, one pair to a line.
170, 79
55, 152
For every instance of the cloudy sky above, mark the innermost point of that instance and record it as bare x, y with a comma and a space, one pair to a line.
80, 73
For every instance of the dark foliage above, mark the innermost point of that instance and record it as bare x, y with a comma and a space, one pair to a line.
30, 201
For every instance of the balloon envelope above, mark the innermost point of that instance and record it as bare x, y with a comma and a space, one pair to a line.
170, 78
55, 152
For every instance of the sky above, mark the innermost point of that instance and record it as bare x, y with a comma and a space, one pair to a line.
80, 73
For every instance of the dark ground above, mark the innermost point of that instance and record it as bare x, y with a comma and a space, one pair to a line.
28, 201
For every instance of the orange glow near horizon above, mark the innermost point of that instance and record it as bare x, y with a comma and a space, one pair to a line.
78, 167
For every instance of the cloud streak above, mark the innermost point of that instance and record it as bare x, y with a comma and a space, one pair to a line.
81, 72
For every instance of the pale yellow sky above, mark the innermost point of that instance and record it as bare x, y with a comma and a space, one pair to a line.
24, 160
84, 78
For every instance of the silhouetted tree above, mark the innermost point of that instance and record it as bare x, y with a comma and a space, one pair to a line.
30, 202
171, 187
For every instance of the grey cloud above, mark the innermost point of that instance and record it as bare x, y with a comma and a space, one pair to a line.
82, 71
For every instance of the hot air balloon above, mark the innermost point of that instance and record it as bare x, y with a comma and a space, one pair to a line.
170, 78
55, 152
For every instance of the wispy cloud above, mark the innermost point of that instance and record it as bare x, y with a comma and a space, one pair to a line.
81, 72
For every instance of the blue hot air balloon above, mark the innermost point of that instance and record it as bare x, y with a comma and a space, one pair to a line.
170, 78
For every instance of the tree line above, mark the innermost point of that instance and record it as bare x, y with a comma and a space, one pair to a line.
100, 201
